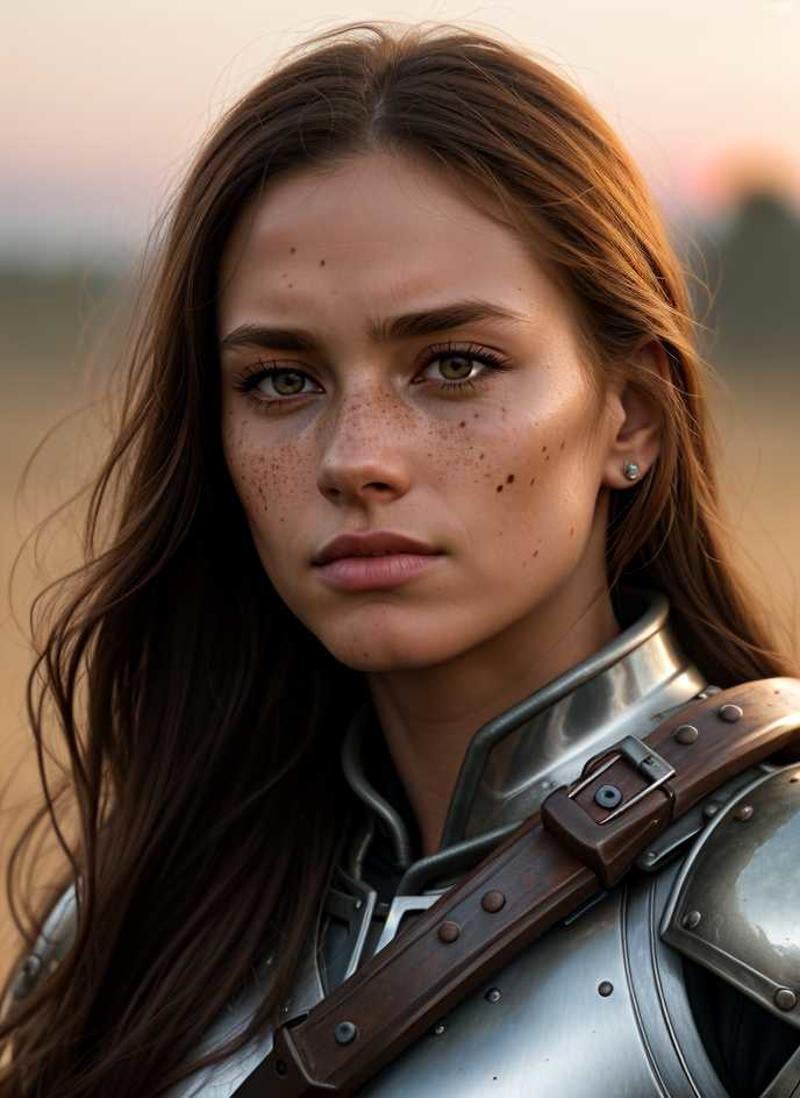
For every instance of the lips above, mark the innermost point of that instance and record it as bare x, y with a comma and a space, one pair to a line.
376, 543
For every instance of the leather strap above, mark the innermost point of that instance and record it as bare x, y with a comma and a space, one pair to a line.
585, 840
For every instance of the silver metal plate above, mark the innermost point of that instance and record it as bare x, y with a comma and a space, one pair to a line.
735, 905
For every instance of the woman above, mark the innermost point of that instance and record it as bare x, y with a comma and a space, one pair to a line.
415, 430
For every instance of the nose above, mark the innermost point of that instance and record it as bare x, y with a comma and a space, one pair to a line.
364, 458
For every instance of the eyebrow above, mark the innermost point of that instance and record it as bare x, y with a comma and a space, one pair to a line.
389, 330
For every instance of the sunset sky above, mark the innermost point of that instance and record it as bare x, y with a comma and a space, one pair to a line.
102, 104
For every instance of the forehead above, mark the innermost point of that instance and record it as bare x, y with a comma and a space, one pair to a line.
374, 232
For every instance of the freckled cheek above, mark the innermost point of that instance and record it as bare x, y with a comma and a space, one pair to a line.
271, 483
510, 470
542, 502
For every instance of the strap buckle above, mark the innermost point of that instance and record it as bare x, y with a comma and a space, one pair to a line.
609, 844
646, 761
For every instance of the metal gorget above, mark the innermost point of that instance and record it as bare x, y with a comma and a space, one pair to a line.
512, 764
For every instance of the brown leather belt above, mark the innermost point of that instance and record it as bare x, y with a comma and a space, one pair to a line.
585, 839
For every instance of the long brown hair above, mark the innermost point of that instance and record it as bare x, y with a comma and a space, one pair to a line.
203, 739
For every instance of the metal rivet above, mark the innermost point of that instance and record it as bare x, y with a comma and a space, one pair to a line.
710, 810
449, 931
692, 919
730, 713
707, 692
345, 1033
785, 999
687, 733
604, 988
493, 901
280, 1067
650, 856
743, 813
493, 995
608, 796
438, 1029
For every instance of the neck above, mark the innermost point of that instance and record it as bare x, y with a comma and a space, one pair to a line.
429, 716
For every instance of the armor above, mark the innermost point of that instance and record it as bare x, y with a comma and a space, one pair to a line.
601, 1005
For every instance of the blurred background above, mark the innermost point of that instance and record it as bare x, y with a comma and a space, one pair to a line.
102, 107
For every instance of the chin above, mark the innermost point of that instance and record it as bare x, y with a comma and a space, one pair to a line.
388, 645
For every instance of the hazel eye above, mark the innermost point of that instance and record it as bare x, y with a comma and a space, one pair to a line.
270, 384
287, 382
459, 367
455, 367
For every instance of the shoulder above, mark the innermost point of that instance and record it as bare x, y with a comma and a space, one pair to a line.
51, 946
733, 908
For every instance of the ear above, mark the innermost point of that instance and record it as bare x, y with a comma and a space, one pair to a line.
636, 436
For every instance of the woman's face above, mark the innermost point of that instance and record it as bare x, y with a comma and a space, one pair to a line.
475, 433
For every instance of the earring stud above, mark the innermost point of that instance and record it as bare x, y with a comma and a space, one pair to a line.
630, 470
